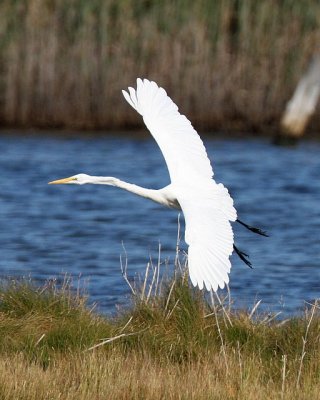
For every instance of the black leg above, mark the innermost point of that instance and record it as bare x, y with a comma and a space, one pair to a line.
243, 256
253, 229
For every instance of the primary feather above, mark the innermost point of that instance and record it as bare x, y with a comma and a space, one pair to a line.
206, 205
180, 144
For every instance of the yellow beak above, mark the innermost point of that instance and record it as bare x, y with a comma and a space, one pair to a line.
64, 180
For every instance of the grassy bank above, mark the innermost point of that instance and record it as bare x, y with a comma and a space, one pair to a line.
229, 64
170, 345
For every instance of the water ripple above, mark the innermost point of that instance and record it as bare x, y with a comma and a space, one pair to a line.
49, 230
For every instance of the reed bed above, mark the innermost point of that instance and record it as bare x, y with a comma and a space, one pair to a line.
229, 64
172, 342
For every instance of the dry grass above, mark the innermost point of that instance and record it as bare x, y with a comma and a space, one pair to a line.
95, 376
228, 64
173, 344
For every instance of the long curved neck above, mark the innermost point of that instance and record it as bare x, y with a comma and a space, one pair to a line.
151, 194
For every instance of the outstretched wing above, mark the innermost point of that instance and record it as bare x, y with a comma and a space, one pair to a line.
207, 206
180, 144
207, 209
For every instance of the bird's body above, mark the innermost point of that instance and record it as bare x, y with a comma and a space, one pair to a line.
207, 206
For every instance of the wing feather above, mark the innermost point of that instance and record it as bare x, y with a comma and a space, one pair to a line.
180, 144
208, 233
207, 206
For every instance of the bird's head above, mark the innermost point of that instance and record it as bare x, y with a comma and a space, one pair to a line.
79, 179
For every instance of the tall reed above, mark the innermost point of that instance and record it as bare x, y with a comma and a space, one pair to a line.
229, 64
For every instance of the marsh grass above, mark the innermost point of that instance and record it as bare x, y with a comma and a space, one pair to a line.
173, 344
228, 64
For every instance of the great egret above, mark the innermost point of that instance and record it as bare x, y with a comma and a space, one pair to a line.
207, 206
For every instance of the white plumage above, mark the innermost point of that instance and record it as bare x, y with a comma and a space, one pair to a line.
180, 144
206, 205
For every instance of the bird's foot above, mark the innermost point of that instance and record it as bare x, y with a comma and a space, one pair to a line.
243, 256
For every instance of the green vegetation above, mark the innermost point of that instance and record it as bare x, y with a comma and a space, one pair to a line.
229, 64
171, 344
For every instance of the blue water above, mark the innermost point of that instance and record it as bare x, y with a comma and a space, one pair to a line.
46, 231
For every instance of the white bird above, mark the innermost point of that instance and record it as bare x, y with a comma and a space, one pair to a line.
207, 206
